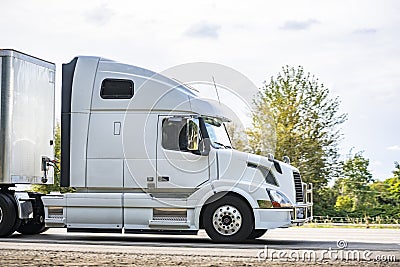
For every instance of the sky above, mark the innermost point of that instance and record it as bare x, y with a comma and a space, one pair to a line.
353, 47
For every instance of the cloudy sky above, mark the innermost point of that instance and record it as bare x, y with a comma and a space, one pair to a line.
351, 46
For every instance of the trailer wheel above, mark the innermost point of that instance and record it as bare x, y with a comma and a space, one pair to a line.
8, 216
256, 233
228, 220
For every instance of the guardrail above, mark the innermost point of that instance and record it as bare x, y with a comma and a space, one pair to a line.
378, 220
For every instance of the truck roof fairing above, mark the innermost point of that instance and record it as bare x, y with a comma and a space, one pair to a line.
155, 91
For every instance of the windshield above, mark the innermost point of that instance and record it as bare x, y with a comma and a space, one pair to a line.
218, 136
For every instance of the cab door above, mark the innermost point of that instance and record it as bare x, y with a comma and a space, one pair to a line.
180, 166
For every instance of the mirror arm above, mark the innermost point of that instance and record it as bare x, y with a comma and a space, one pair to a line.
205, 148
206, 143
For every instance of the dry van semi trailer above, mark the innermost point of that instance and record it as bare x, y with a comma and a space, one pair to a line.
144, 153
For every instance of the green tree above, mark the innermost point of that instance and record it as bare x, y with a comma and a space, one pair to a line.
396, 172
385, 196
237, 135
55, 187
393, 185
354, 186
295, 116
327, 198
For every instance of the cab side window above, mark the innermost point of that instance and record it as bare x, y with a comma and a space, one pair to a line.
174, 135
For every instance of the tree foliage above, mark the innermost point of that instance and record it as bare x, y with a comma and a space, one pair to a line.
295, 116
393, 185
353, 184
358, 195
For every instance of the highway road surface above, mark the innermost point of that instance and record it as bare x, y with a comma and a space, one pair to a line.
293, 246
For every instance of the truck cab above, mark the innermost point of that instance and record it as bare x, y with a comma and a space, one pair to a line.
147, 154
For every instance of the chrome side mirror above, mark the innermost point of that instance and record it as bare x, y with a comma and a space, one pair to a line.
193, 134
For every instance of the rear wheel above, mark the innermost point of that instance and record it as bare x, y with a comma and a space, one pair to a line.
256, 233
228, 220
17, 221
8, 215
32, 228
36, 225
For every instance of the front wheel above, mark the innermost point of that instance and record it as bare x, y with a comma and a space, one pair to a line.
256, 233
228, 220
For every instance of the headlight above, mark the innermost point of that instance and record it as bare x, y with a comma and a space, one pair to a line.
278, 199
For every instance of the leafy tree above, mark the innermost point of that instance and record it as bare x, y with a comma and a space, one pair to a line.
345, 203
354, 185
357, 195
326, 202
386, 196
55, 187
396, 172
295, 116
237, 134
393, 185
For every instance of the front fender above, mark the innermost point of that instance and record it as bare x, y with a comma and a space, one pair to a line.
222, 187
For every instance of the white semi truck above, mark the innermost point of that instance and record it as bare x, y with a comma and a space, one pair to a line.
144, 153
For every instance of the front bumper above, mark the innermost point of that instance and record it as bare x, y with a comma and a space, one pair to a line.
293, 215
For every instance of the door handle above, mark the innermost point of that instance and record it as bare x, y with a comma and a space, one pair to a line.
163, 178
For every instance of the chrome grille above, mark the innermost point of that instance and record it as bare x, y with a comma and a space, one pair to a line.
298, 187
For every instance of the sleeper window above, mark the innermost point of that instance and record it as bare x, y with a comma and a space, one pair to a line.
116, 89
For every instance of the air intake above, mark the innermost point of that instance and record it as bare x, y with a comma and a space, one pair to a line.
298, 186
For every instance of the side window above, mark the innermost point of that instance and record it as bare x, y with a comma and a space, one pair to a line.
174, 135
116, 89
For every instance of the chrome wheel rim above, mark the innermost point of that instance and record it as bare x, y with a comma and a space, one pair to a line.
1, 215
227, 220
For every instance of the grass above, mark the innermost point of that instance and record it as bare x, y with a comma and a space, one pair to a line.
351, 225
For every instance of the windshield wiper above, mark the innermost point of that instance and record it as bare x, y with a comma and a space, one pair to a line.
220, 144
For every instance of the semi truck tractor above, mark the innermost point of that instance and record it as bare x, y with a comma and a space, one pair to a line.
144, 153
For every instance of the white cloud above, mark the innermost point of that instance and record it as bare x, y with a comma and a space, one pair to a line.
203, 29
100, 15
376, 163
366, 31
294, 25
394, 148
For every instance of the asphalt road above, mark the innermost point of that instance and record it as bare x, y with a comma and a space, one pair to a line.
381, 245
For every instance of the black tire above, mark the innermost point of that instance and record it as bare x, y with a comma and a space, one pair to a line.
32, 228
36, 225
256, 233
8, 215
17, 222
223, 214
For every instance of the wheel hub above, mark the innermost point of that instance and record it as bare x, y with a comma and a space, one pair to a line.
227, 220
